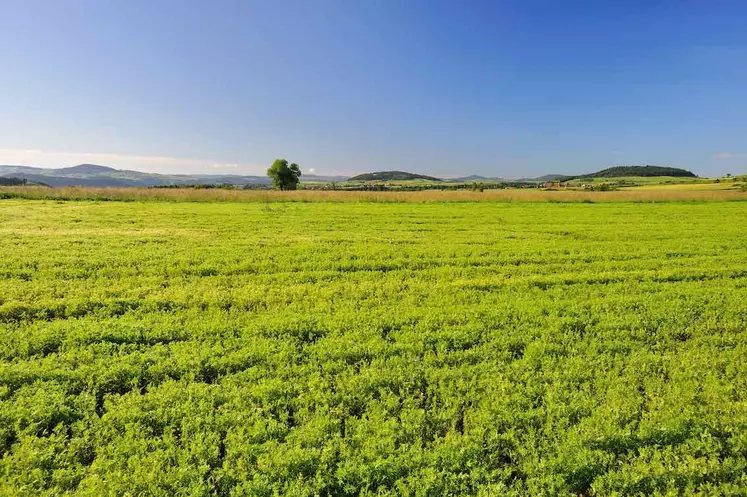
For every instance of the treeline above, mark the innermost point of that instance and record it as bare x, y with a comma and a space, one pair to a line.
216, 186
4, 181
373, 187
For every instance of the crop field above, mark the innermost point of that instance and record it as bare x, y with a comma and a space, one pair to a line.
373, 348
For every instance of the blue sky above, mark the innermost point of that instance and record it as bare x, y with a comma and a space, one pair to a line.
500, 88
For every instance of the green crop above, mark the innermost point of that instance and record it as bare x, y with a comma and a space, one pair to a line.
151, 348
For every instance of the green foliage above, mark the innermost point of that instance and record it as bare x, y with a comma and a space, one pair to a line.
11, 181
600, 187
372, 349
642, 171
284, 177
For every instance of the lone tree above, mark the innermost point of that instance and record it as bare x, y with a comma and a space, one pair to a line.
283, 176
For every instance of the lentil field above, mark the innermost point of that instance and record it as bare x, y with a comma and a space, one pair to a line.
334, 349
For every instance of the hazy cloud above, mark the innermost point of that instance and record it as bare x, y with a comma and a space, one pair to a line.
728, 155
147, 163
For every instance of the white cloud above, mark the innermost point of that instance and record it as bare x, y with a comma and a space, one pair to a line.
147, 163
312, 171
728, 155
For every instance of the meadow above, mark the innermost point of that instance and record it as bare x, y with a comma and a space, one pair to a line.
652, 193
375, 347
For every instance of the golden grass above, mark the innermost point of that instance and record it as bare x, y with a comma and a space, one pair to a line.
508, 195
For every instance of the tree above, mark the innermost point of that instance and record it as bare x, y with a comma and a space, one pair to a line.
283, 176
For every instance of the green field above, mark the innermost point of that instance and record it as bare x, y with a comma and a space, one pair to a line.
475, 348
624, 182
641, 180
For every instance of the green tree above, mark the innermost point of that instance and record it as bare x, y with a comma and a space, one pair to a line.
284, 176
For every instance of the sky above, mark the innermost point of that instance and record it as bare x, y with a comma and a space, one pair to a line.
497, 88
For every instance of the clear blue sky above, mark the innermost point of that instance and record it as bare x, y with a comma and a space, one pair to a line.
504, 88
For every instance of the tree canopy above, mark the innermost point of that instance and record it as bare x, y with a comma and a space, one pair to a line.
644, 171
284, 176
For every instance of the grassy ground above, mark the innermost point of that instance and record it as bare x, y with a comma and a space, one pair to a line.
247, 348
644, 180
505, 195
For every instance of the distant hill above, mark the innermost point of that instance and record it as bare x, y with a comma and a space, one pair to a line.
86, 169
644, 171
391, 176
474, 178
612, 172
314, 177
95, 175
471, 177
542, 179
551, 177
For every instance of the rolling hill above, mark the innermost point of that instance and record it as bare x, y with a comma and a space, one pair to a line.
612, 172
391, 176
96, 175
639, 171
475, 178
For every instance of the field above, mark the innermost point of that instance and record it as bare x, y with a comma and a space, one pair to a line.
737, 185
374, 347
658, 193
644, 180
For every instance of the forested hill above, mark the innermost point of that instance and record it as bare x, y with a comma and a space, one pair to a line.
391, 176
620, 171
